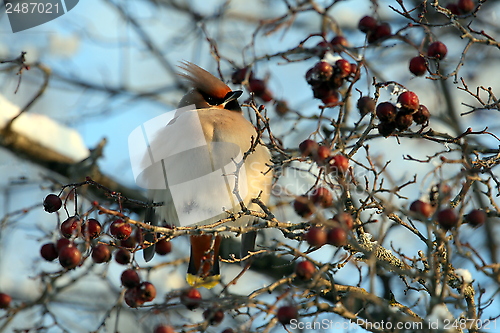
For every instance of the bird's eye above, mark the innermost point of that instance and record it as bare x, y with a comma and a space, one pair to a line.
211, 99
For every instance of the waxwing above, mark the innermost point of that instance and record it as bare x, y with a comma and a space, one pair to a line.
206, 174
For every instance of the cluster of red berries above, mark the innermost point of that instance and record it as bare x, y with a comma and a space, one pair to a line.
325, 79
303, 205
374, 30
322, 156
74, 229
137, 292
334, 233
436, 50
410, 110
447, 218
337, 44
68, 253
461, 7
256, 86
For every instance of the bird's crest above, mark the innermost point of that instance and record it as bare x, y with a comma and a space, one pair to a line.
203, 81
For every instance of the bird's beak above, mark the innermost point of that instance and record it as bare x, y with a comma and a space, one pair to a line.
232, 96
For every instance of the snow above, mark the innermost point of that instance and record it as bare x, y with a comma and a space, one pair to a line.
440, 316
464, 274
44, 130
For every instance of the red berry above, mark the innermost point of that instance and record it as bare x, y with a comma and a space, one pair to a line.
228, 330
418, 65
191, 298
386, 112
336, 81
164, 329
305, 270
308, 147
321, 48
345, 219
70, 226
52, 203
130, 242
422, 115
386, 128
61, 243
367, 24
447, 218
311, 77
132, 298
163, 247
316, 236
214, 316
130, 278
409, 100
465, 6
322, 196
323, 71
365, 105
49, 251
266, 96
339, 163
331, 99
302, 206
322, 154
286, 314
146, 291
122, 256
343, 67
239, 75
5, 301
338, 43
91, 229
382, 30
354, 71
437, 50
323, 44
101, 253
422, 208
453, 8
70, 257
403, 120
257, 86
337, 236
120, 229
476, 217
322, 90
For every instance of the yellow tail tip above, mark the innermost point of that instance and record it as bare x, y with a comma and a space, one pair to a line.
208, 282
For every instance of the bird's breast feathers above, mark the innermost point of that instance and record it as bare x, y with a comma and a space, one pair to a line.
201, 180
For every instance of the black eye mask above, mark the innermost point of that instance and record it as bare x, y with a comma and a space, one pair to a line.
211, 99
232, 105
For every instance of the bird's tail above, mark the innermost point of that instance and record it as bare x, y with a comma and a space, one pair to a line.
203, 269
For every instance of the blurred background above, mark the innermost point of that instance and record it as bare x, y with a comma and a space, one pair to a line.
107, 66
